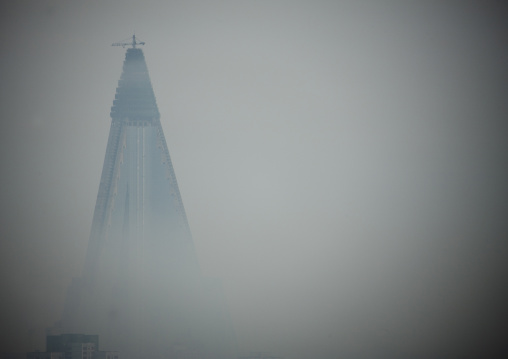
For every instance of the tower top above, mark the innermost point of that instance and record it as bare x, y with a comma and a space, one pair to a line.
132, 43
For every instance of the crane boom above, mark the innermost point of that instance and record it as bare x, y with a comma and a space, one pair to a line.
133, 43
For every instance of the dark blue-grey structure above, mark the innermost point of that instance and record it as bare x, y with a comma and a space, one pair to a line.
142, 289
138, 194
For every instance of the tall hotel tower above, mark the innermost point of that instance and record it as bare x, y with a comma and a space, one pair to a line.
141, 289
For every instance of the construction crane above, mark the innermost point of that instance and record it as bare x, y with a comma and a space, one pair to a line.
133, 43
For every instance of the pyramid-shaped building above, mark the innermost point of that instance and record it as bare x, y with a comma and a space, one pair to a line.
141, 289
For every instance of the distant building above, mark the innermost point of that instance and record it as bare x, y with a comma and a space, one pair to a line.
72, 346
142, 290
45, 355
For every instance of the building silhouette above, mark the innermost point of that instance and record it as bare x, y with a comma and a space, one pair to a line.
72, 346
141, 288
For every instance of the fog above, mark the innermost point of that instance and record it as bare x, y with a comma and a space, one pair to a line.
342, 164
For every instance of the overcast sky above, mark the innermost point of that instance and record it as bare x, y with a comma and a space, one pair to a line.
342, 164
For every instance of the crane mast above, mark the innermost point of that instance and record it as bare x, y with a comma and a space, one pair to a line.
132, 43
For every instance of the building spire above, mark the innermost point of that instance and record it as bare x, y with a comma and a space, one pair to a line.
132, 43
